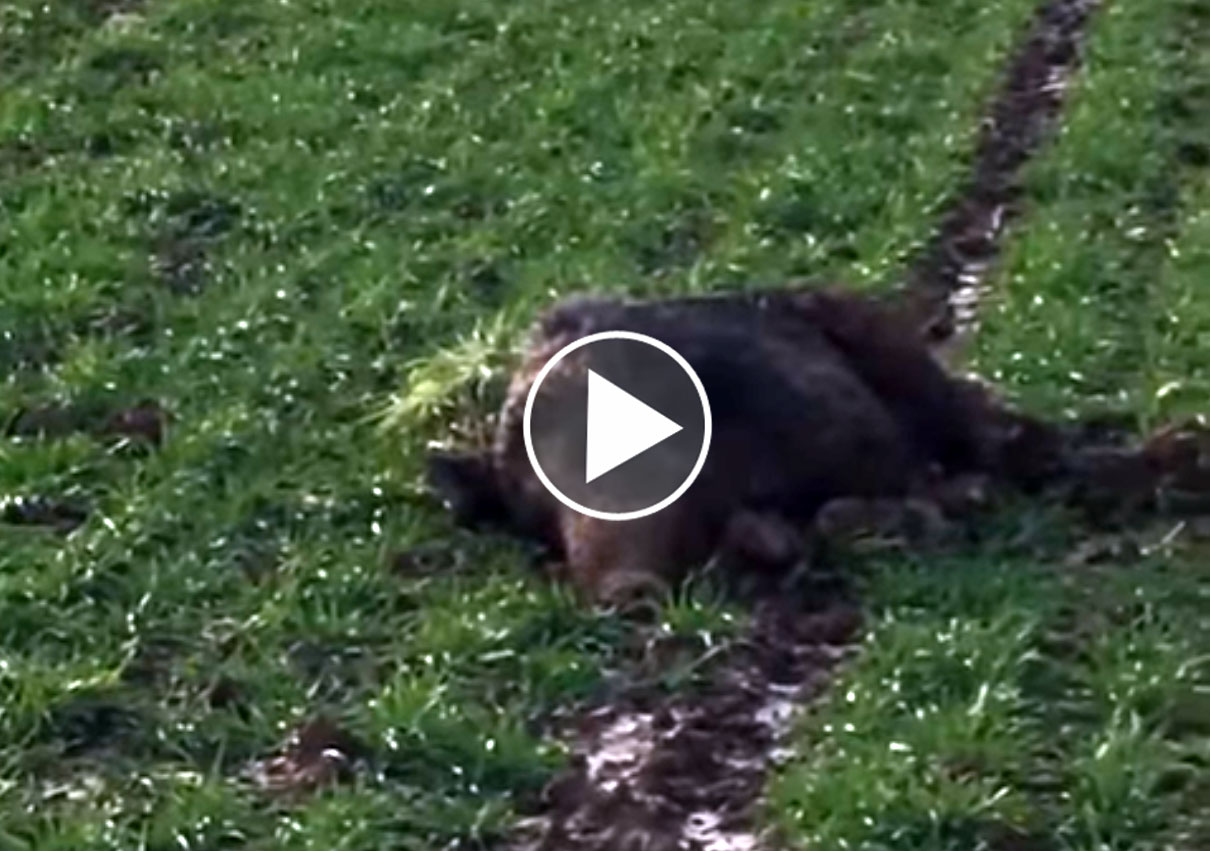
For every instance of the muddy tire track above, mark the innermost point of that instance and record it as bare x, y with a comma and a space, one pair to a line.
945, 282
686, 772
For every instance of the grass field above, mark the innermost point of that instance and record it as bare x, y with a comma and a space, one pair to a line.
281, 220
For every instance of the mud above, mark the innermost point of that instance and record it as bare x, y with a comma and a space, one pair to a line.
61, 516
319, 753
687, 771
91, 722
947, 280
1168, 474
144, 422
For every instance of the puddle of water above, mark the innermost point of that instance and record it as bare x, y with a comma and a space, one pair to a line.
704, 830
620, 751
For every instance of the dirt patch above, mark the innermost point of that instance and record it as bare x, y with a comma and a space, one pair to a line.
687, 771
225, 693
319, 753
93, 722
55, 514
1168, 473
947, 279
152, 663
143, 423
1003, 837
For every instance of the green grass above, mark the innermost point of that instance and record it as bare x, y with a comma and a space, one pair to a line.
999, 699
1097, 306
282, 220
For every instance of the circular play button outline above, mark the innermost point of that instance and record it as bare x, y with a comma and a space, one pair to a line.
637, 338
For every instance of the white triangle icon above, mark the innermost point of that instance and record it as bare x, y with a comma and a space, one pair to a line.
619, 427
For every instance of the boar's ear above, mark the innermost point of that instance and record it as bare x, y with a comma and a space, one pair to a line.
466, 484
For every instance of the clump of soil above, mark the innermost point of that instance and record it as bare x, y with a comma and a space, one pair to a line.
58, 515
1168, 473
143, 422
318, 754
92, 722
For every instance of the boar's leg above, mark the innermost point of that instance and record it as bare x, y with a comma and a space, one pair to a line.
760, 541
888, 356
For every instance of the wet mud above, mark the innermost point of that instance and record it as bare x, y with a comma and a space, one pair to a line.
686, 771
319, 753
946, 281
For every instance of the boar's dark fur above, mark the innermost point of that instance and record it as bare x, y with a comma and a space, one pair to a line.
816, 395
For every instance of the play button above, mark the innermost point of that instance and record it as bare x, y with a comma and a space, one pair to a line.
617, 425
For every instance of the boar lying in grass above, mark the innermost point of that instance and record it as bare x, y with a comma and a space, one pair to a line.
822, 401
